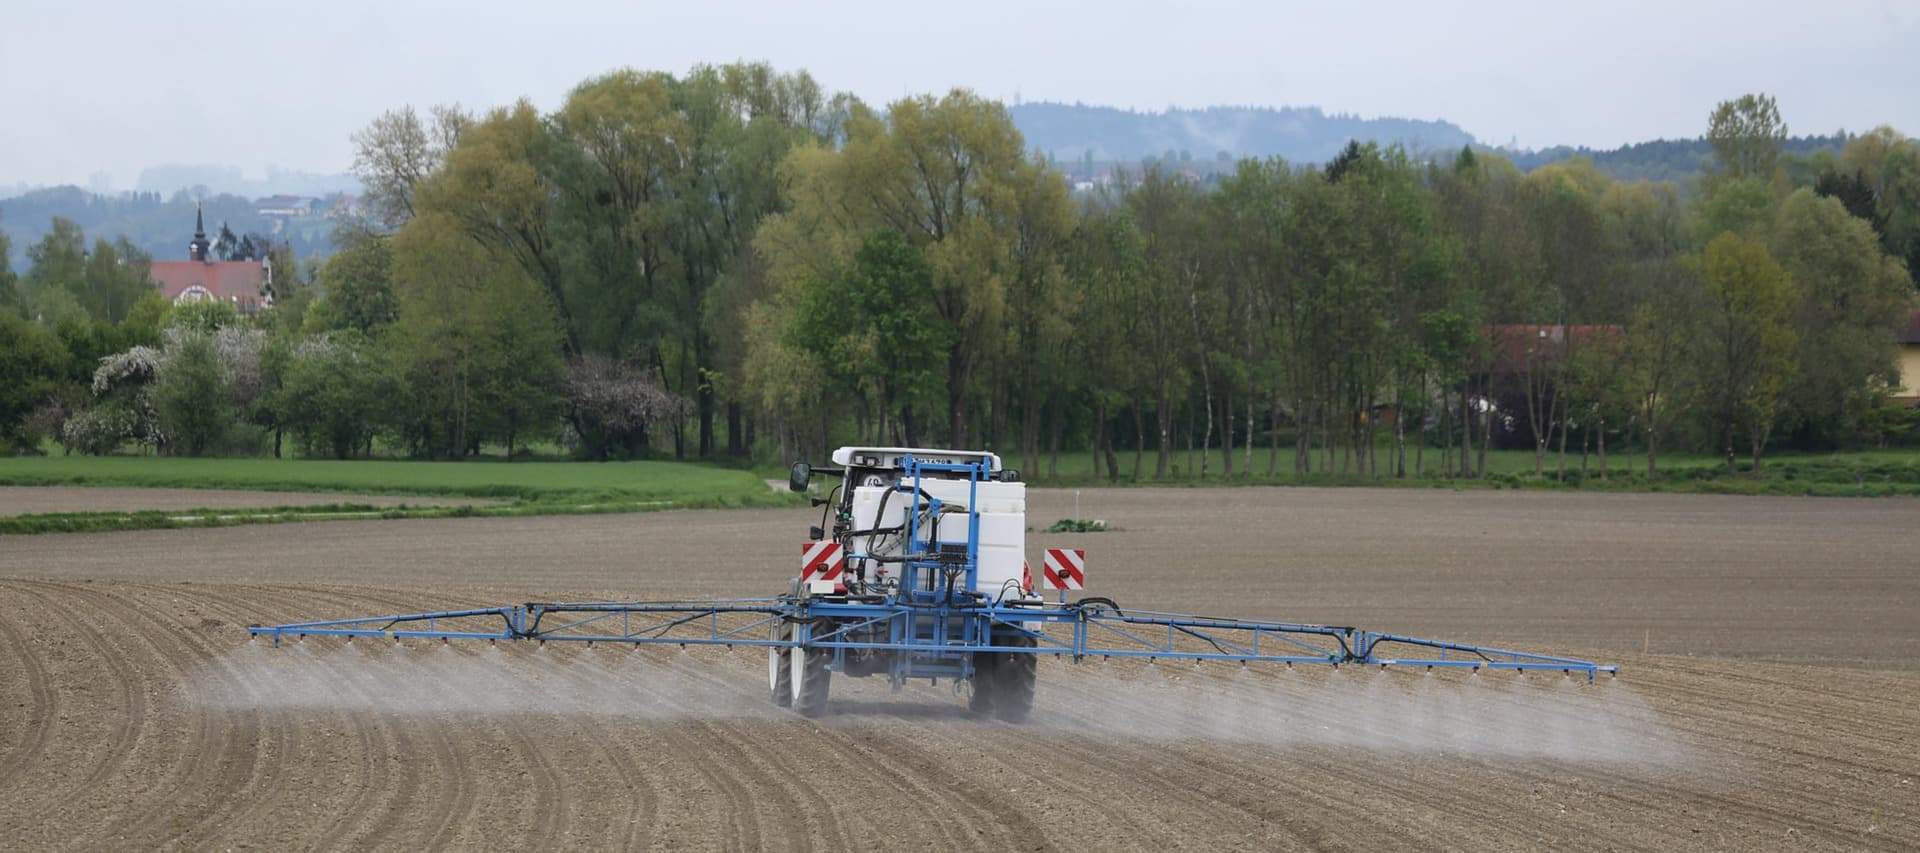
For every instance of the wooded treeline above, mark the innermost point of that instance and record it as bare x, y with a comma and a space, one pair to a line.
735, 261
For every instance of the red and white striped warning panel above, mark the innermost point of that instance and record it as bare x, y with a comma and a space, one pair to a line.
822, 561
1065, 568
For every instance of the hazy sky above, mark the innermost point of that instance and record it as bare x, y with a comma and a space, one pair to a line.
118, 86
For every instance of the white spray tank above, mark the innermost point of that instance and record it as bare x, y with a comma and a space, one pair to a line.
878, 505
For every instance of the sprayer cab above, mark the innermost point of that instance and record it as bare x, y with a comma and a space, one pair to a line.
922, 523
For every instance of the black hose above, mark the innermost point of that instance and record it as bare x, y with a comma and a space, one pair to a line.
880, 514
826, 507
1100, 600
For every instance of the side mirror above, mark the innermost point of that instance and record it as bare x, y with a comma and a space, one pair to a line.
797, 477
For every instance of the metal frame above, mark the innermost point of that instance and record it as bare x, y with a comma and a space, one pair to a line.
933, 630
937, 642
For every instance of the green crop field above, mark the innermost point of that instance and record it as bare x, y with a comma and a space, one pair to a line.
534, 482
1867, 472
520, 488
554, 487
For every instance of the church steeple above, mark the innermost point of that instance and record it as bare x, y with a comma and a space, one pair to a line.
197, 249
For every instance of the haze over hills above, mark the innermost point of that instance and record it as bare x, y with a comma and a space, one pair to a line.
1302, 134
231, 180
1075, 136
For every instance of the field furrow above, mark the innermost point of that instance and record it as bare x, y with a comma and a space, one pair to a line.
134, 715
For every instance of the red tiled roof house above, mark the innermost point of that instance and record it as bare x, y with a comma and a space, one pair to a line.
242, 284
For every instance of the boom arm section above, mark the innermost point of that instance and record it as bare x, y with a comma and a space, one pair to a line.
1090, 628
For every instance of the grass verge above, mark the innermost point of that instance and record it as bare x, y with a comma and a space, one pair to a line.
1874, 473
523, 488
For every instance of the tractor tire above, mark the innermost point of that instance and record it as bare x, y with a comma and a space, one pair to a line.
1015, 675
985, 667
811, 678
779, 668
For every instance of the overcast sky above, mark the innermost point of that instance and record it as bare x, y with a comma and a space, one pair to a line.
118, 86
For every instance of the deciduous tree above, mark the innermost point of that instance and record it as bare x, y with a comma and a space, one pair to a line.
1746, 341
1747, 135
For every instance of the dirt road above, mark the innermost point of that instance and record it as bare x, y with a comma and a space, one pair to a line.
1777, 710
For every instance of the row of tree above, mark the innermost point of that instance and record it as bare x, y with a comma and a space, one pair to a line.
733, 260
926, 266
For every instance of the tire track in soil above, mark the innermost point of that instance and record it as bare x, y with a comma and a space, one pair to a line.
1235, 761
1812, 757
250, 735
285, 740
378, 809
1165, 779
456, 807
917, 770
1508, 780
1216, 775
641, 815
362, 783
1112, 816
1520, 776
65, 789
840, 747
36, 724
883, 742
1004, 821
705, 739
211, 744
1147, 758
371, 752
1843, 712
768, 760
1724, 725
1712, 711
1641, 797
632, 780
1538, 774
1027, 742
1406, 777
450, 759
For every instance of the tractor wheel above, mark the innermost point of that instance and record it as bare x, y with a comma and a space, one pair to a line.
779, 671
985, 667
1014, 676
811, 678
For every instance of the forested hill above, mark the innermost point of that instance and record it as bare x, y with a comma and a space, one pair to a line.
1660, 159
1068, 132
158, 225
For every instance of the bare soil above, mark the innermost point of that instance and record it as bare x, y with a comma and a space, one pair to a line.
24, 500
1776, 704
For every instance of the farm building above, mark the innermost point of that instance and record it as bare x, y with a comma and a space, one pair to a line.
1907, 390
244, 284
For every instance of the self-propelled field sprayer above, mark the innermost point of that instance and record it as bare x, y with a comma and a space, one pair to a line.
919, 570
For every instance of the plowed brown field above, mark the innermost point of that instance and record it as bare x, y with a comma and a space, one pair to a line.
1777, 704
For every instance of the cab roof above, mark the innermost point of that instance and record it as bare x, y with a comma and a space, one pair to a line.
889, 457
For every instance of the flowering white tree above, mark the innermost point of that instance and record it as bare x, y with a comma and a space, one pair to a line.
612, 403
123, 409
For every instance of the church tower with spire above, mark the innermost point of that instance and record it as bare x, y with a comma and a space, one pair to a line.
199, 248
241, 283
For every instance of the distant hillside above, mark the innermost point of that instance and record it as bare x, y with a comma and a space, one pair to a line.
1660, 159
160, 226
1069, 132
173, 177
